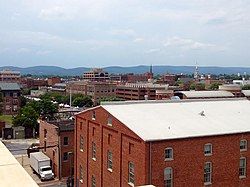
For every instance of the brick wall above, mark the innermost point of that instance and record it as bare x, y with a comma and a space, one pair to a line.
189, 160
53, 139
118, 143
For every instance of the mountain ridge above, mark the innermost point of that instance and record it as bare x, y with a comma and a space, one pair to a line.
158, 69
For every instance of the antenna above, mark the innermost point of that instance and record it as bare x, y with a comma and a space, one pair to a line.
202, 113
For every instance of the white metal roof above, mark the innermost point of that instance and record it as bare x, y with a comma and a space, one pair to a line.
206, 94
12, 174
181, 119
246, 93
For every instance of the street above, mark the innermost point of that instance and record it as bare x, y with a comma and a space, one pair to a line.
18, 147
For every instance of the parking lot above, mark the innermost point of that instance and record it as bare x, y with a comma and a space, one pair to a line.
18, 149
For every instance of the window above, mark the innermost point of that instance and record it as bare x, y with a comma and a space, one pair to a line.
168, 177
93, 115
14, 94
110, 120
109, 138
66, 141
81, 143
65, 156
45, 133
243, 145
208, 149
208, 173
81, 174
110, 161
80, 125
130, 148
93, 151
242, 169
169, 153
93, 182
131, 173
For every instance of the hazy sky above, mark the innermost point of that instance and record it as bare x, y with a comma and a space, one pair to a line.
72, 33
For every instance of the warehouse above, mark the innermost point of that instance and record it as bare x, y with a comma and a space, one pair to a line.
164, 143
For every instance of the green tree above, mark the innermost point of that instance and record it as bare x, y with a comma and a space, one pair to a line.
27, 117
23, 101
47, 109
192, 86
214, 86
82, 101
246, 87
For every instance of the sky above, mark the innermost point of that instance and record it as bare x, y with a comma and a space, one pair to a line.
101, 33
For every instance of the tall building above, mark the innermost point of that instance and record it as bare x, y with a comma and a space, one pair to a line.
174, 143
10, 76
139, 91
97, 90
96, 74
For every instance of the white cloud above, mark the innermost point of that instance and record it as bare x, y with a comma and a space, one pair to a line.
23, 50
122, 32
43, 52
184, 43
154, 50
56, 12
138, 40
4, 50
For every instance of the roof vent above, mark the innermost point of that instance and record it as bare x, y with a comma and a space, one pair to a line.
202, 113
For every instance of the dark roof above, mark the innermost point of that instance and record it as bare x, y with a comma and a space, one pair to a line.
9, 86
64, 125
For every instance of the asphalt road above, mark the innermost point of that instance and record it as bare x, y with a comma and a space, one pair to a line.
19, 146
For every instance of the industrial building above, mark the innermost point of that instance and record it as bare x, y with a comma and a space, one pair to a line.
57, 142
164, 143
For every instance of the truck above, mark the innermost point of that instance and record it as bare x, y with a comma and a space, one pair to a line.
40, 163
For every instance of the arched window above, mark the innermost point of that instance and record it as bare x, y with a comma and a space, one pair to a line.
168, 177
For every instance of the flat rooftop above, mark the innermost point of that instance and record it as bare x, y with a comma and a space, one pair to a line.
160, 120
12, 174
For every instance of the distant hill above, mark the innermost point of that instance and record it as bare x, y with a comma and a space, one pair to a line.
54, 70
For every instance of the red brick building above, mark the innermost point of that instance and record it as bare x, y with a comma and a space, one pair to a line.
97, 90
10, 94
53, 80
56, 139
28, 82
174, 143
139, 91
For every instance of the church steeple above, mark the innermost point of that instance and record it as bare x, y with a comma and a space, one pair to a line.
151, 69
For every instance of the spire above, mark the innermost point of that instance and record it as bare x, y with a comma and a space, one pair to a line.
151, 69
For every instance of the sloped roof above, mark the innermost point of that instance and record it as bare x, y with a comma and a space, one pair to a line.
183, 118
206, 94
9, 86
246, 93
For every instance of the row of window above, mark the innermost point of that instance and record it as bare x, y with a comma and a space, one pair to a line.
168, 173
207, 149
131, 172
